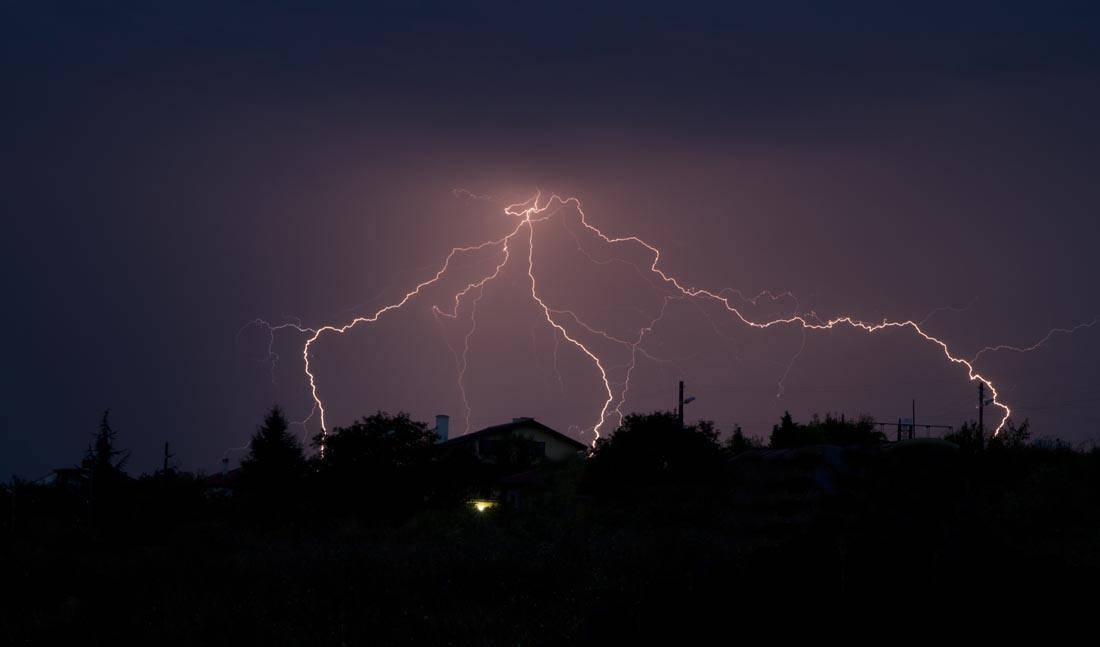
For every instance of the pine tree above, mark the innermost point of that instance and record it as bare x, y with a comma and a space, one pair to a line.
785, 434
104, 464
275, 459
102, 456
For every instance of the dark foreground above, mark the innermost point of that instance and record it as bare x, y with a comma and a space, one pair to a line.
855, 534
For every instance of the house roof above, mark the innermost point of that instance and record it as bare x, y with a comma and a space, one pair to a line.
226, 479
508, 427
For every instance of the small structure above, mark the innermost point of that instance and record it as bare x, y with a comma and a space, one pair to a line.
76, 480
543, 443
223, 484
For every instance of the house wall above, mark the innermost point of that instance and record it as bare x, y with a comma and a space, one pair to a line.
556, 450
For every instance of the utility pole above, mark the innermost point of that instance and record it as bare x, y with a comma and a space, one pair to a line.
680, 405
167, 455
981, 413
913, 429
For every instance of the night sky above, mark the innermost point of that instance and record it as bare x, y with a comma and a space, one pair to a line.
171, 174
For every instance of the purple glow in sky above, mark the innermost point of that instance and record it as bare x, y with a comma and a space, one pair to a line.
174, 173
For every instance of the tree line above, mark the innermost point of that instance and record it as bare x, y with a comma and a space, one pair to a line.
390, 465
368, 532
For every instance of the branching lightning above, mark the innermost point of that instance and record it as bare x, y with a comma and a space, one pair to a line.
569, 328
1037, 345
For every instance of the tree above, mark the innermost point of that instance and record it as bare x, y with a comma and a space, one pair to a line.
653, 449
785, 434
379, 460
1012, 437
104, 463
967, 437
379, 441
833, 430
275, 461
738, 442
102, 458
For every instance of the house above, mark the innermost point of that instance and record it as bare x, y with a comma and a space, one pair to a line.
516, 459
74, 479
507, 463
223, 484
541, 442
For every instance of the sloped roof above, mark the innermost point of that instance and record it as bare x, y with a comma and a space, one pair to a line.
508, 427
222, 479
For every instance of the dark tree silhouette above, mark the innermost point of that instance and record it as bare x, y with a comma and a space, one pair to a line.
841, 430
832, 430
103, 458
738, 442
967, 437
785, 434
275, 461
376, 442
1012, 437
104, 464
381, 460
653, 449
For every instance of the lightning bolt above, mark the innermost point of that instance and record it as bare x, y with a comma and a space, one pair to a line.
793, 320
936, 311
464, 361
1037, 345
534, 211
782, 386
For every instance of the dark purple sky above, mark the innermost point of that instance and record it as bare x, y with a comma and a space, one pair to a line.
171, 174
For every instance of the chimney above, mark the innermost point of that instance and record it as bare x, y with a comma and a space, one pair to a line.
225, 466
442, 426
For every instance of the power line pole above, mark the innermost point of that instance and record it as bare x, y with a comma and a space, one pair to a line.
981, 413
913, 420
167, 456
680, 405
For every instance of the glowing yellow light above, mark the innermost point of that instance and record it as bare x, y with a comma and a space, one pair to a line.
481, 505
